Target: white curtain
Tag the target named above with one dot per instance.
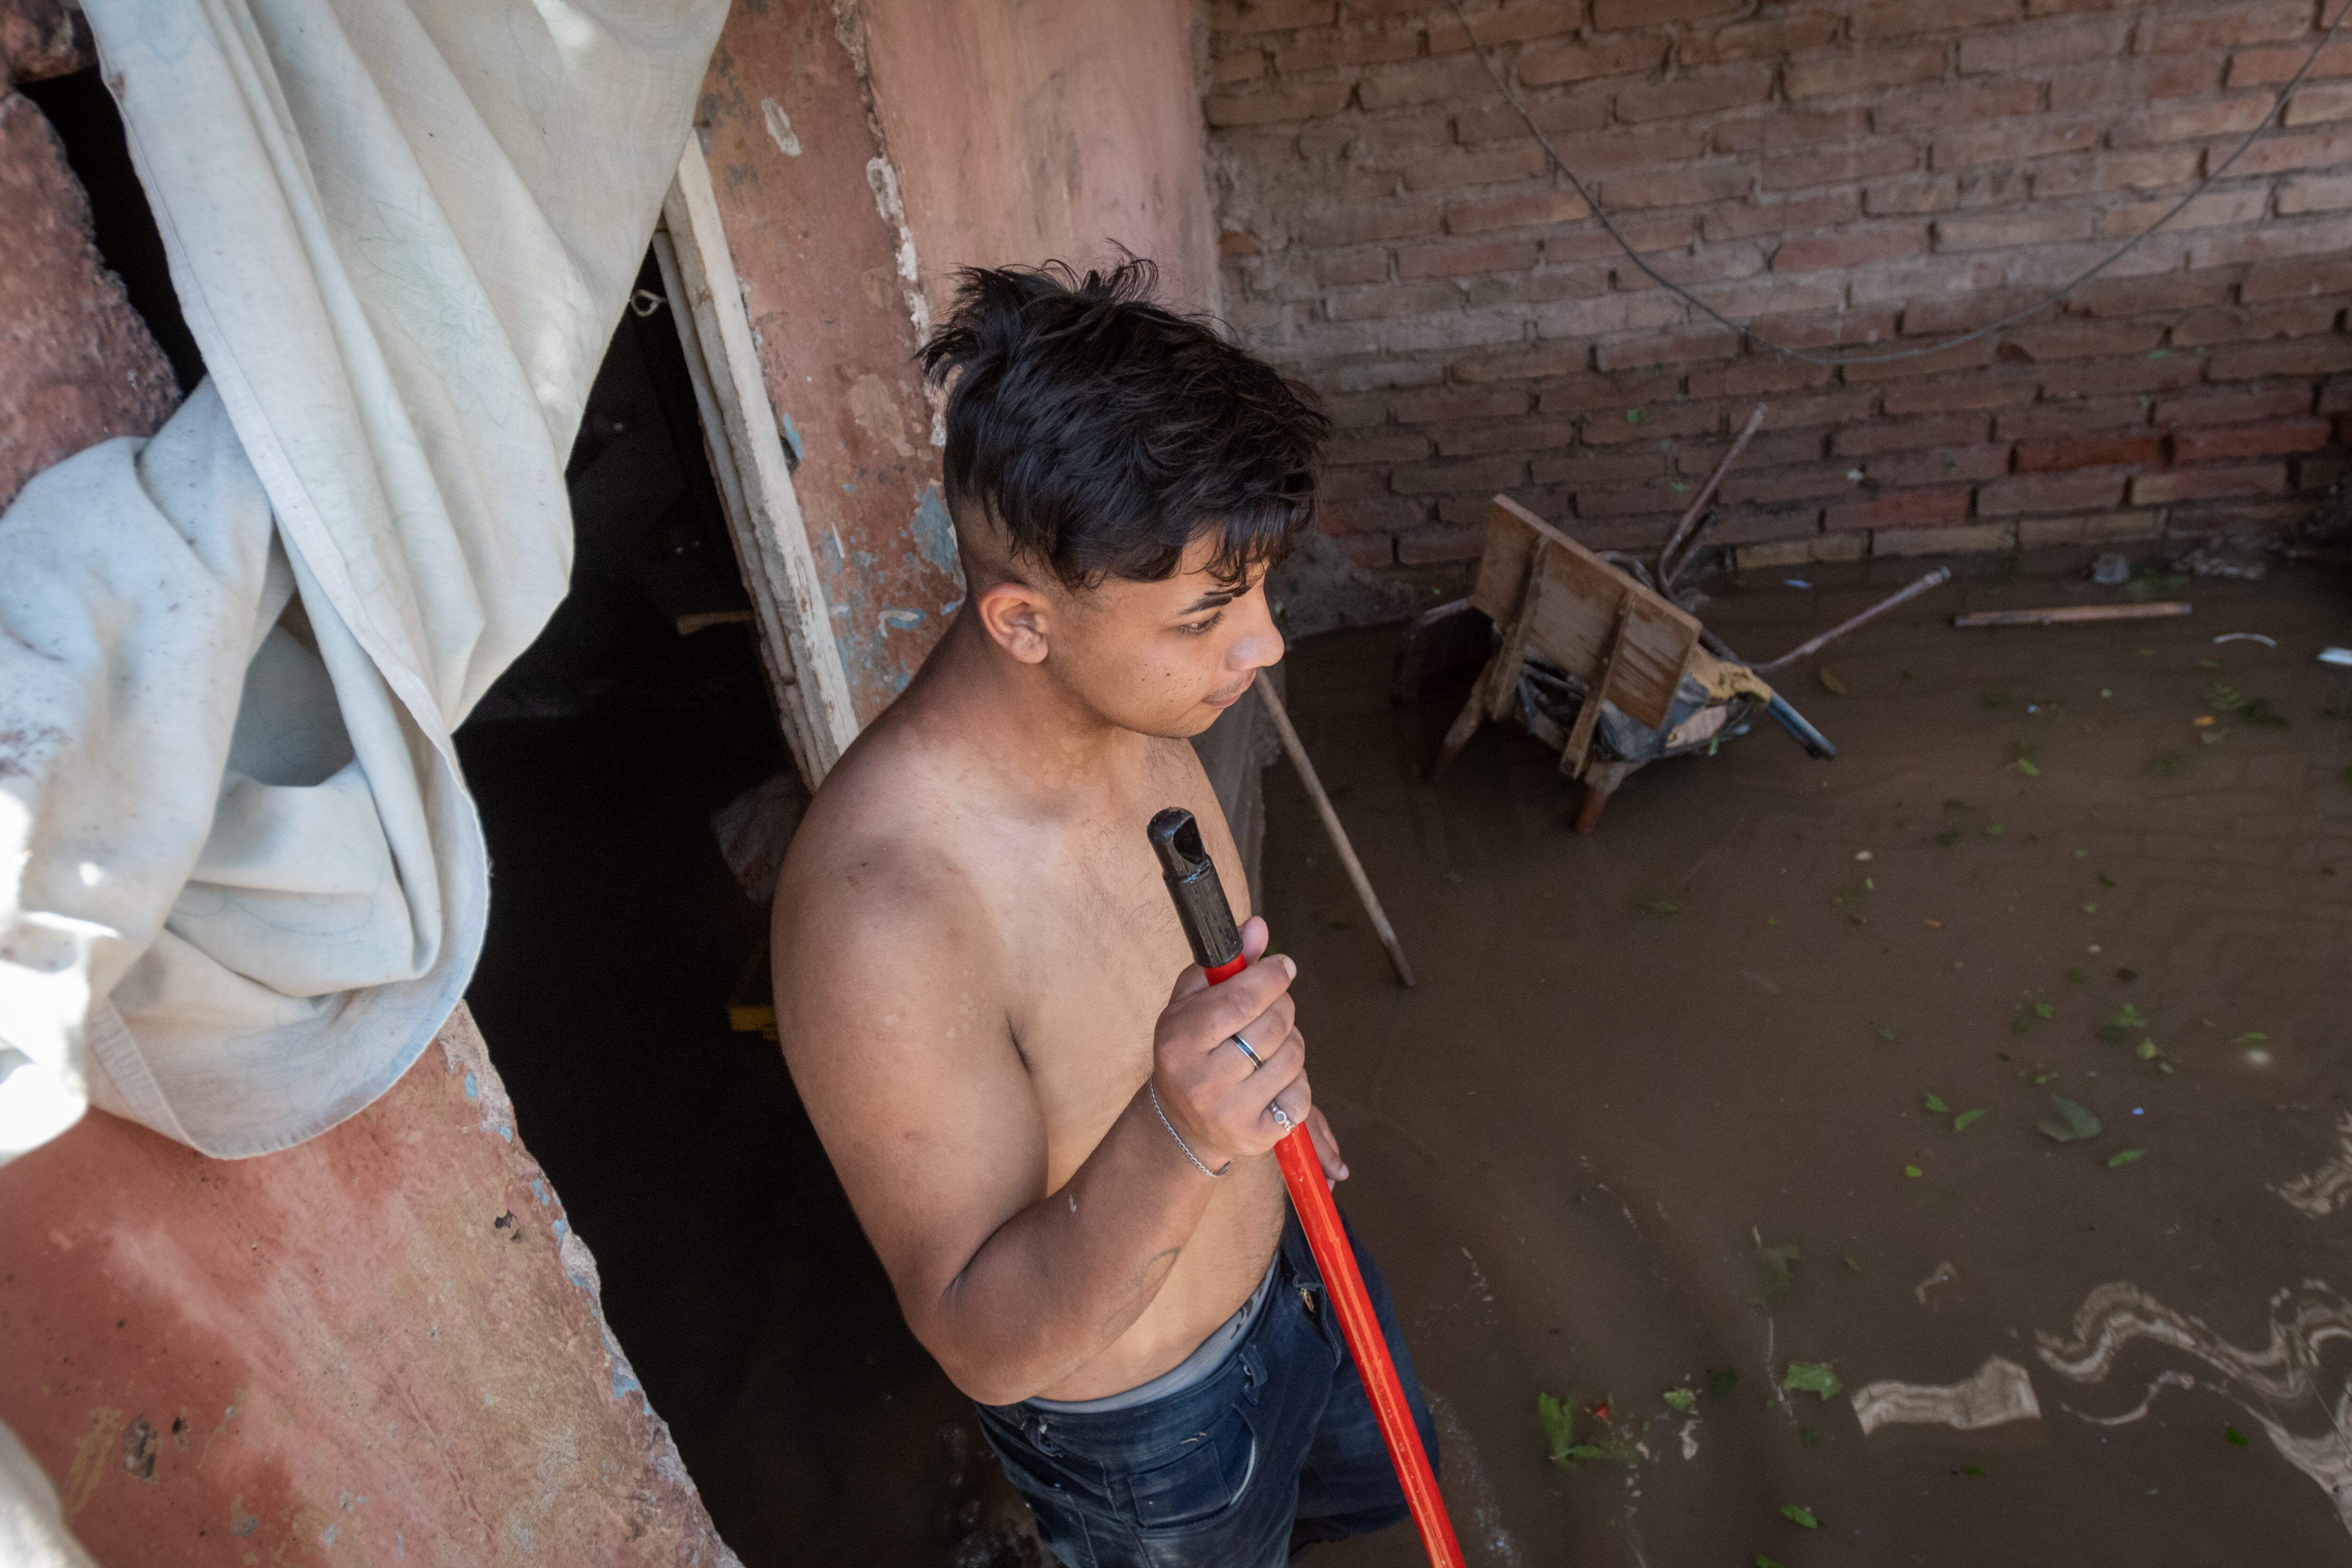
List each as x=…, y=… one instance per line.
x=241, y=883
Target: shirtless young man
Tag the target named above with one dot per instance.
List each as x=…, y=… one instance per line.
x=1043, y=1115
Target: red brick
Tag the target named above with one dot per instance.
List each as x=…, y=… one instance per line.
x=2245, y=22
x=2296, y=356
x=2272, y=155
x=1998, y=387
x=1763, y=40
x=1847, y=250
x=2334, y=395
x=2275, y=438
x=1613, y=467
x=1546, y=65
x=1902, y=436
x=1862, y=71
x=1842, y=166
x=2097, y=173
x=2276, y=240
x=1658, y=421
x=1715, y=266
x=1227, y=67
x=1806, y=313
x=1628, y=501
x=1705, y=91
x=2045, y=341
x=1822, y=408
x=1441, y=546
x=2231, y=406
x=2311, y=105
x=1900, y=18
x=1386, y=301
x=1381, y=446
x=1352, y=267
x=1940, y=465
x=1778, y=130
x=2137, y=373
x=1744, y=220
x=1961, y=356
x=1538, y=287
x=1753, y=377
x=1767, y=449
x=1465, y=260
x=2206, y=484
x=1515, y=25
x=1265, y=16
x=1372, y=514
x=1475, y=474
x=2091, y=452
x=2039, y=45
x=1901, y=509
x=2147, y=296
x=2225, y=117
x=1500, y=121
x=2107, y=84
x=1609, y=14
x=1679, y=347
x=2273, y=67
x=1447, y=171
x=1502, y=401
x=2010, y=140
x=2296, y=279
x=2087, y=490
x=1355, y=481
x=1533, y=209
x=1925, y=194
x=1816, y=482
x=1966, y=103
x=1306, y=103
x=1488, y=437
x=2002, y=229
x=1364, y=224
x=1523, y=362
x=2075, y=416
x=1645, y=235
x=1448, y=79
x=1362, y=47
x=1611, y=394
x=2322, y=472
x=2246, y=323
x=1676, y=188
x=1966, y=313
x=1378, y=375
x=2314, y=193
x=2210, y=210
x=1616, y=313
x=1620, y=150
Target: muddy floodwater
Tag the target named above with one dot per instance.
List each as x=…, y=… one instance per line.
x=1748, y=1088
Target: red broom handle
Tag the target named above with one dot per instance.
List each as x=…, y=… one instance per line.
x=1319, y=1217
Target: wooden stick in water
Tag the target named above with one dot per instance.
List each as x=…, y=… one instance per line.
x=1298, y=755
x=2066, y=614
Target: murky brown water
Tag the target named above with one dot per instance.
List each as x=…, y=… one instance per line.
x=1573, y=1141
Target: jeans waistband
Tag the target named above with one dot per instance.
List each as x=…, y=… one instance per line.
x=1204, y=1361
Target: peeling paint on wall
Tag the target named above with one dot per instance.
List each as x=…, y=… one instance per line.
x=935, y=535
x=779, y=128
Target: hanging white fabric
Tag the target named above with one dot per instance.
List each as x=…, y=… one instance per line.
x=241, y=883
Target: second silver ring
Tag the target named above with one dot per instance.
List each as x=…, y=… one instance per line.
x=1256, y=1061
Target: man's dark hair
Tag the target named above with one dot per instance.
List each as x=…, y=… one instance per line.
x=1104, y=433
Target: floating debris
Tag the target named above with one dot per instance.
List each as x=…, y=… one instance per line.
x=2000, y=1392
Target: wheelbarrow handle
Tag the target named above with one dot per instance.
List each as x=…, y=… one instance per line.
x=1208, y=919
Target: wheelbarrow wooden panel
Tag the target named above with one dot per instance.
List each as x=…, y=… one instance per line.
x=1573, y=616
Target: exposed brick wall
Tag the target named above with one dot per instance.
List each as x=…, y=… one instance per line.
x=1841, y=175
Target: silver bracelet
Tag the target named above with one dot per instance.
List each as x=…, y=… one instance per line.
x=1153, y=1089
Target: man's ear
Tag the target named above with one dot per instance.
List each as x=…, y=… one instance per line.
x=1018, y=617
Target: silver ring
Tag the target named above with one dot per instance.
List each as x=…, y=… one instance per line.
x=1281, y=1118
x=1256, y=1061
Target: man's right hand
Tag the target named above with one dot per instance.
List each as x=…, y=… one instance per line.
x=1215, y=1097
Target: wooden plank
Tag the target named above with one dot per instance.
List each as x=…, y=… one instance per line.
x=1575, y=621
x=785, y=588
x=1588, y=718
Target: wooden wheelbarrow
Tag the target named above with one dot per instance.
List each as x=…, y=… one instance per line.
x=1612, y=642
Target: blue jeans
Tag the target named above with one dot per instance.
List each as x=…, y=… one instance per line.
x=1278, y=1450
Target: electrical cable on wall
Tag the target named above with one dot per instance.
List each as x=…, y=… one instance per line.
x=2267, y=122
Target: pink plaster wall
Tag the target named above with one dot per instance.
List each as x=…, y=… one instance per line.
x=382, y=1346
x=1029, y=128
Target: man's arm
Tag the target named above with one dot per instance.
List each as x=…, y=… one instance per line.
x=895, y=1030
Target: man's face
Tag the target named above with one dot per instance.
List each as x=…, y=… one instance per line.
x=1165, y=658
